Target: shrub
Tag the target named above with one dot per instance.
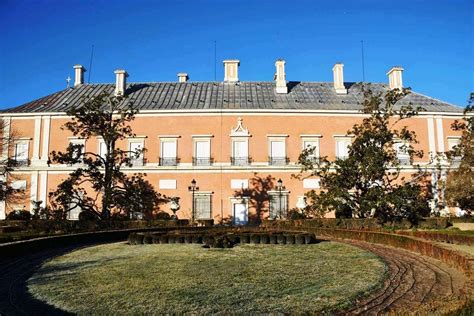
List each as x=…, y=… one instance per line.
x=156, y=239
x=309, y=238
x=86, y=216
x=171, y=239
x=300, y=239
x=162, y=216
x=147, y=239
x=281, y=239
x=264, y=239
x=163, y=239
x=188, y=239
x=135, y=239
x=273, y=239
x=197, y=239
x=233, y=238
x=244, y=239
x=255, y=239
x=180, y=239
x=290, y=239
x=19, y=216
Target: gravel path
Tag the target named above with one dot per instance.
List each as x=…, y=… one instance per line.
x=413, y=279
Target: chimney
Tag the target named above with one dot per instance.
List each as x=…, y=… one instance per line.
x=338, y=73
x=182, y=77
x=231, y=70
x=395, y=78
x=120, y=82
x=280, y=77
x=79, y=71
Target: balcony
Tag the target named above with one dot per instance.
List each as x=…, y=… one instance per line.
x=19, y=162
x=278, y=161
x=169, y=161
x=137, y=162
x=240, y=161
x=202, y=161
x=404, y=161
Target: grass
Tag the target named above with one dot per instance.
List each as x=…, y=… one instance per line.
x=186, y=278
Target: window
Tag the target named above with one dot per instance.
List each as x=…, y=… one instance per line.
x=311, y=142
x=19, y=185
x=454, y=141
x=240, y=152
x=342, y=147
x=202, y=205
x=136, y=152
x=21, y=153
x=202, y=152
x=403, y=156
x=277, y=151
x=168, y=152
x=278, y=205
x=102, y=149
x=79, y=149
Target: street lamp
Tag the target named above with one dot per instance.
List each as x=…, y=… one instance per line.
x=193, y=188
x=280, y=187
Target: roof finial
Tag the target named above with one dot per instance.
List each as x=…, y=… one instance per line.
x=68, y=81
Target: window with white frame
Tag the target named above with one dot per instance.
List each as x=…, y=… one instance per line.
x=342, y=147
x=202, y=151
x=79, y=148
x=278, y=203
x=311, y=143
x=21, y=152
x=402, y=150
x=277, y=151
x=19, y=185
x=202, y=205
x=240, y=152
x=454, y=141
x=135, y=147
x=102, y=149
x=168, y=156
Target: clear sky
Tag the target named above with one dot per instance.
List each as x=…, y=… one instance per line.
x=40, y=41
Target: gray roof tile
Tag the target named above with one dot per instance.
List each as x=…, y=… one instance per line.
x=221, y=95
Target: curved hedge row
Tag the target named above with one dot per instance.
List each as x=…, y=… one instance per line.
x=222, y=239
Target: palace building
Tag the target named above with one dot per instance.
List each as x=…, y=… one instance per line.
x=235, y=139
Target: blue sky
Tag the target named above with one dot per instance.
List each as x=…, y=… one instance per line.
x=40, y=41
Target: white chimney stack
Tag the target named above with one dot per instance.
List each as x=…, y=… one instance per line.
x=231, y=70
x=182, y=77
x=120, y=82
x=79, y=71
x=395, y=78
x=338, y=73
x=280, y=77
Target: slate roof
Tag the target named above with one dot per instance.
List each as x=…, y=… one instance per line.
x=222, y=95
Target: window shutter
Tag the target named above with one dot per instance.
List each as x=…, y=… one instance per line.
x=203, y=149
x=278, y=149
x=168, y=149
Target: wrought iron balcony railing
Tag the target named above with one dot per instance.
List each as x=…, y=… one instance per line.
x=169, y=161
x=202, y=161
x=240, y=161
x=404, y=161
x=137, y=162
x=278, y=161
x=20, y=162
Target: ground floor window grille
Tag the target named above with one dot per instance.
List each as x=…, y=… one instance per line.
x=278, y=205
x=202, y=206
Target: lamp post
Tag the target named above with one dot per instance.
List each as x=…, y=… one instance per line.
x=193, y=188
x=280, y=187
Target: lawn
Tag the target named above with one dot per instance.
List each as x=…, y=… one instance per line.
x=186, y=278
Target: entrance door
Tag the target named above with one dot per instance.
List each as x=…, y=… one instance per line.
x=240, y=214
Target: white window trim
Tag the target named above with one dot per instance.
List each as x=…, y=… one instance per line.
x=338, y=138
x=137, y=140
x=312, y=138
x=239, y=139
x=22, y=141
x=275, y=138
x=168, y=140
x=201, y=139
